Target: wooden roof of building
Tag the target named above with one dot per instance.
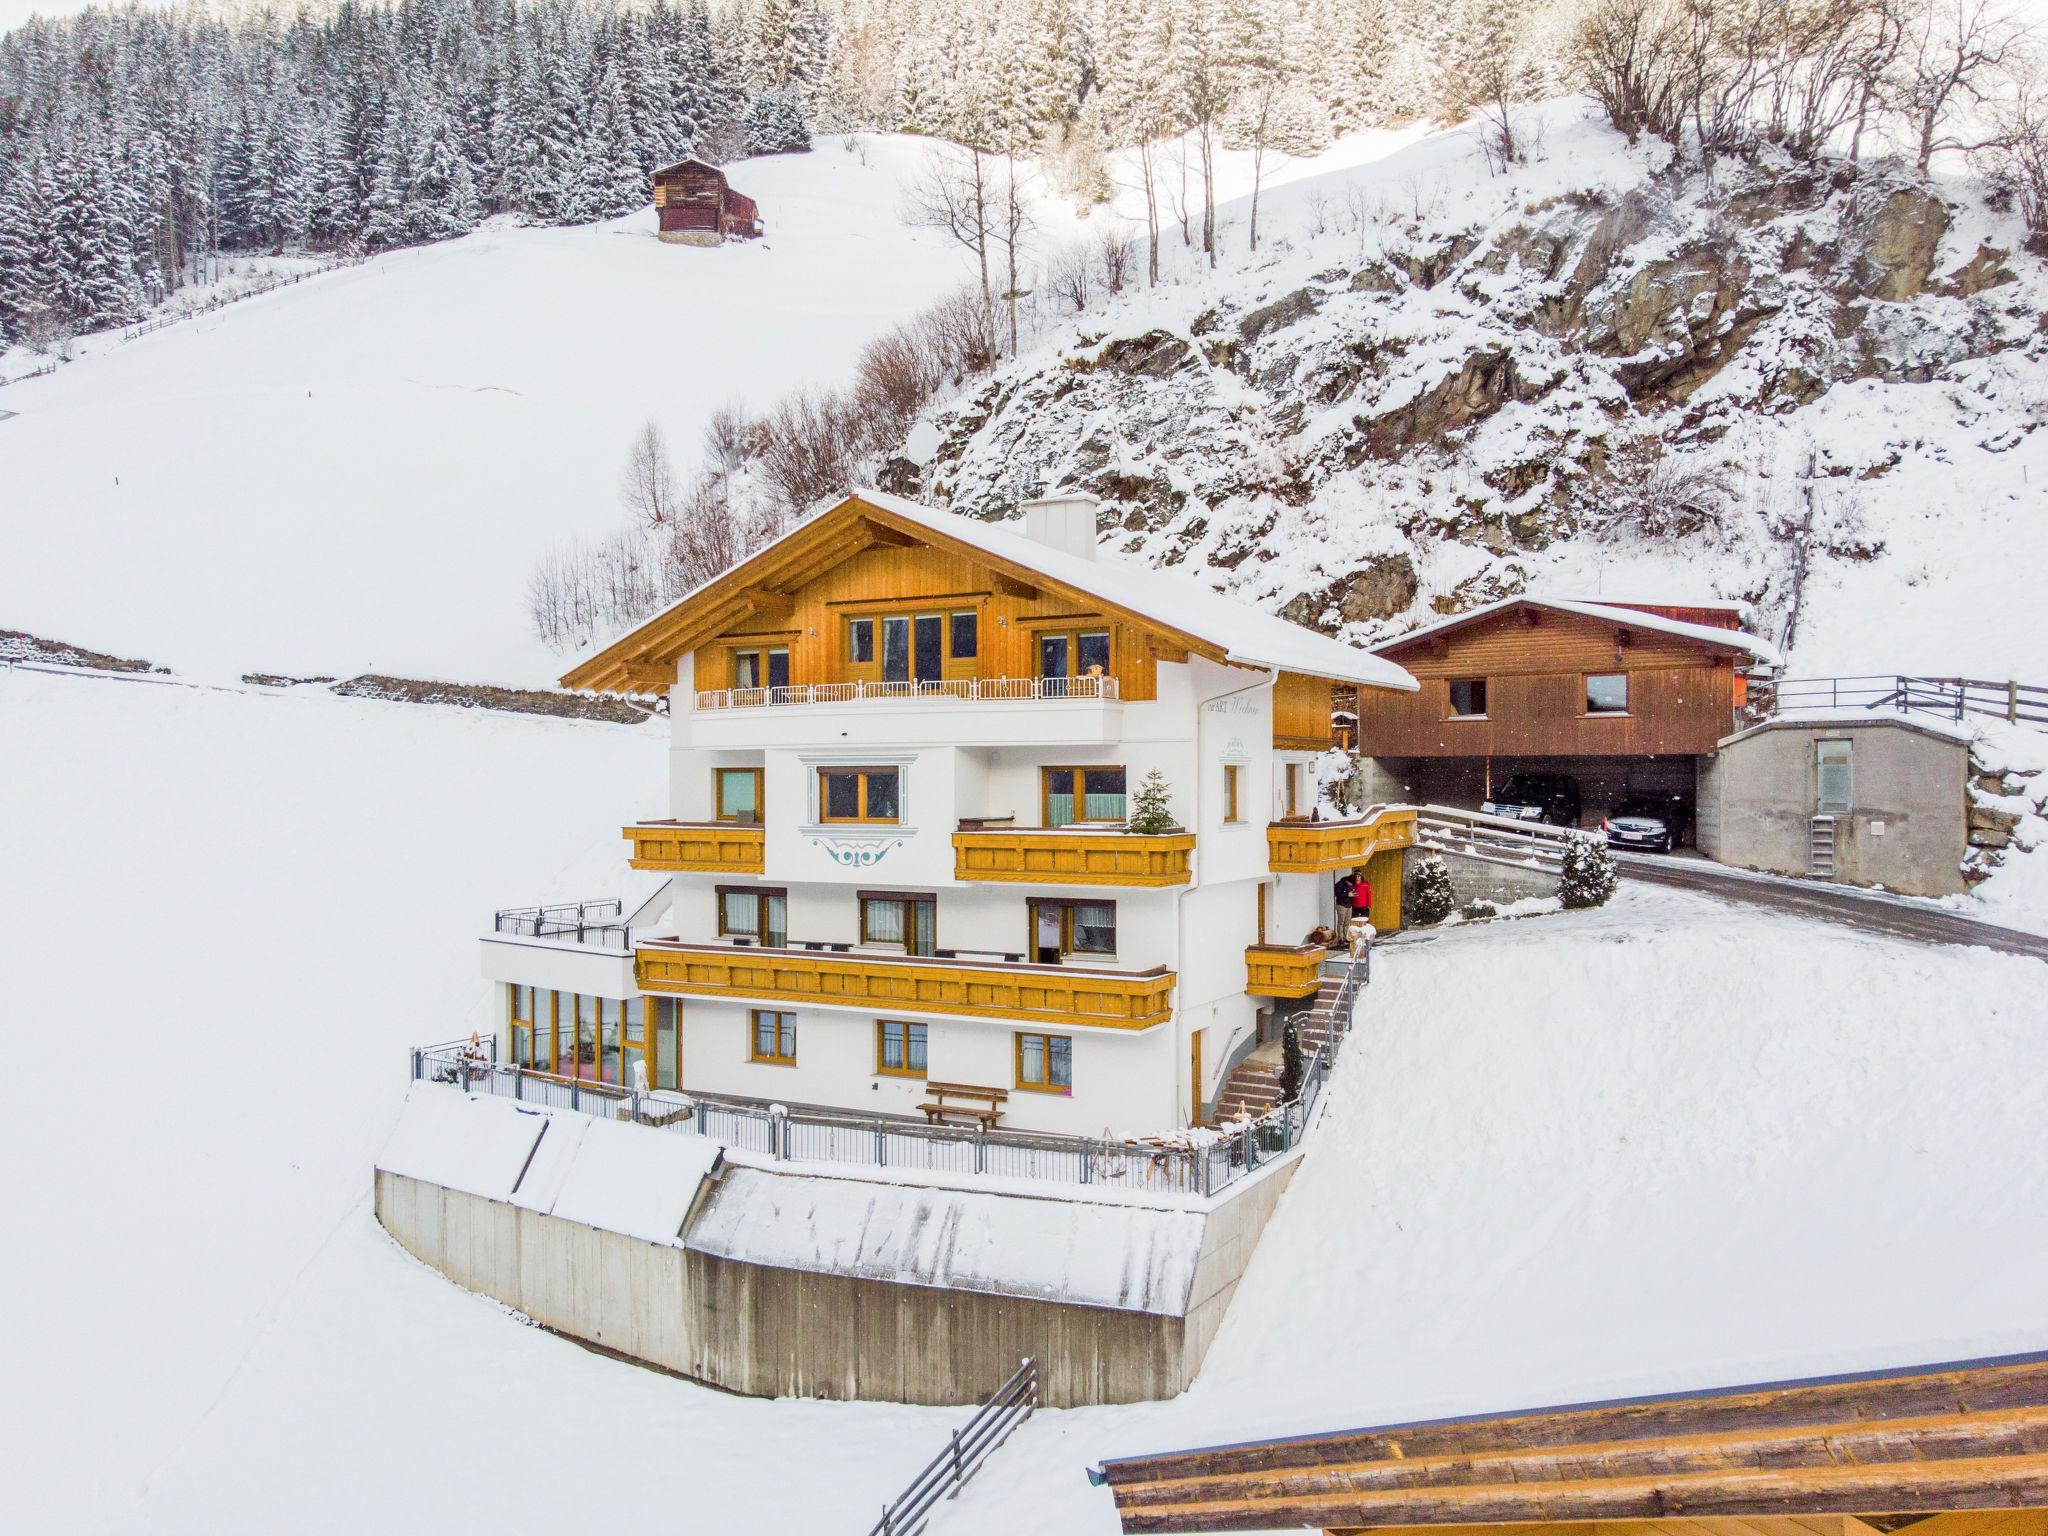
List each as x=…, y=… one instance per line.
x=1620, y=615
x=1885, y=1449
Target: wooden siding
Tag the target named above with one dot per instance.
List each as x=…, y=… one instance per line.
x=722, y=847
x=914, y=579
x=1968, y=1438
x=1315, y=847
x=1681, y=692
x=1301, y=711
x=1284, y=970
x=1069, y=996
x=1074, y=858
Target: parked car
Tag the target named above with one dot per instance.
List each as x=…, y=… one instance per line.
x=1646, y=821
x=1547, y=797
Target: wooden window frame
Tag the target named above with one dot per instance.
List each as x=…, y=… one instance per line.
x=1066, y=905
x=760, y=650
x=853, y=658
x=1078, y=770
x=883, y=1069
x=754, y=1017
x=953, y=618
x=1451, y=710
x=764, y=892
x=1063, y=1090
x=907, y=899
x=1290, y=789
x=1071, y=632
x=1233, y=796
x=718, y=797
x=1627, y=696
x=861, y=775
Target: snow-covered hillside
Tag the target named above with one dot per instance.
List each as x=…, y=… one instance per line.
x=360, y=472
x=1818, y=388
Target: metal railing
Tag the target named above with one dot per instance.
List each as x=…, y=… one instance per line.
x=966, y=688
x=596, y=923
x=1445, y=829
x=1951, y=698
x=1200, y=1163
x=972, y=1444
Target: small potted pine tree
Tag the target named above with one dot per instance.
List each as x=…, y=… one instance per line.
x=1152, y=807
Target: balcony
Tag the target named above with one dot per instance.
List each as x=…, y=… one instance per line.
x=1315, y=847
x=984, y=711
x=1284, y=970
x=1072, y=856
x=835, y=977
x=710, y=847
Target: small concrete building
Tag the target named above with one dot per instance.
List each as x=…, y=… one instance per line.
x=1868, y=799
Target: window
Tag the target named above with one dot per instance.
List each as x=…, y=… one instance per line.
x=858, y=794
x=1468, y=697
x=761, y=669
x=860, y=641
x=1607, y=693
x=899, y=1048
x=899, y=918
x=667, y=1044
x=1834, y=778
x=1061, y=926
x=1290, y=793
x=1045, y=1062
x=1230, y=805
x=738, y=793
x=754, y=912
x=523, y=1039
x=963, y=636
x=636, y=1022
x=1082, y=794
x=1073, y=653
x=774, y=1037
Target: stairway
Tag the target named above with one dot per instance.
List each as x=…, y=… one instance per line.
x=1253, y=1086
x=1820, y=848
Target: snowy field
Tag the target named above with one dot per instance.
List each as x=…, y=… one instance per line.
x=359, y=472
x=1549, y=1170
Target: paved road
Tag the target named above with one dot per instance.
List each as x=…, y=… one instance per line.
x=1873, y=913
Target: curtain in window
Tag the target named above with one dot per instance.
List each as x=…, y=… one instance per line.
x=882, y=922
x=925, y=925
x=742, y=912
x=1103, y=794
x=917, y=1048
x=777, y=932
x=1062, y=1074
x=1095, y=927
x=1031, y=1058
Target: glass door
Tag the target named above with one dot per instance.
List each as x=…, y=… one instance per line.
x=896, y=650
x=668, y=1044
x=930, y=658
x=1052, y=655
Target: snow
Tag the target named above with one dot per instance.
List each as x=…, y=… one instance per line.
x=1666, y=1145
x=233, y=913
x=441, y=1139
x=624, y=1179
x=1127, y=1257
x=360, y=471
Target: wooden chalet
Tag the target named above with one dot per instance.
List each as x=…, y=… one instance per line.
x=1950, y=1450
x=697, y=207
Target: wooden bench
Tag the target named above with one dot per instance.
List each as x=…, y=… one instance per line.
x=964, y=1100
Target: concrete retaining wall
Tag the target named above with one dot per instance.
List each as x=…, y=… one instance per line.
x=771, y=1331
x=1494, y=880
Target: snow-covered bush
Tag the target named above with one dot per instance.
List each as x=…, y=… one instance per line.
x=1429, y=897
x=1587, y=876
x=1152, y=806
x=1292, y=1068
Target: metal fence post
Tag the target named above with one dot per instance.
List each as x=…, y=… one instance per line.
x=881, y=1148
x=980, y=1151
x=575, y=1094
x=518, y=1081
x=415, y=1063
x=957, y=1478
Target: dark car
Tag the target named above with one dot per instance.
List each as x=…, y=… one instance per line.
x=1547, y=797
x=1655, y=822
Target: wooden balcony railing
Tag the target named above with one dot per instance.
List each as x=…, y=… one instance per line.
x=1284, y=970
x=972, y=689
x=1312, y=847
x=1037, y=994
x=1072, y=856
x=723, y=847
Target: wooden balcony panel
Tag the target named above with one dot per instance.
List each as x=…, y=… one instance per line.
x=1284, y=970
x=721, y=847
x=1073, y=857
x=1315, y=847
x=1035, y=994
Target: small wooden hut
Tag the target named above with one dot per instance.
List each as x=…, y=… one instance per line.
x=696, y=207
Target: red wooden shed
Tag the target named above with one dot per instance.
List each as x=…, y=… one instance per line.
x=696, y=207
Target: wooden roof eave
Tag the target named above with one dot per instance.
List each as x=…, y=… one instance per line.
x=823, y=541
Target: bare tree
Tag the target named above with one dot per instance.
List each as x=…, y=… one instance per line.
x=1950, y=55
x=957, y=195
x=1012, y=229
x=725, y=437
x=1113, y=255
x=647, y=485
x=1489, y=72
x=1069, y=275
x=2019, y=161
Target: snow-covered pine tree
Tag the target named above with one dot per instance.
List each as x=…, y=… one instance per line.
x=1152, y=806
x=1587, y=876
x=1428, y=896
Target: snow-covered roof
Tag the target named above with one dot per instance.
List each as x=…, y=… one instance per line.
x=1632, y=618
x=1851, y=719
x=1132, y=1258
x=1246, y=634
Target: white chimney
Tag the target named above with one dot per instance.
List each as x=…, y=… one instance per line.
x=1064, y=521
